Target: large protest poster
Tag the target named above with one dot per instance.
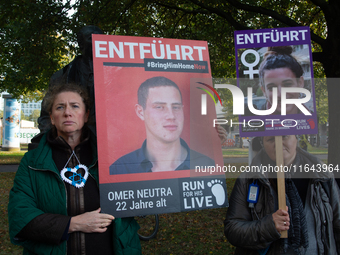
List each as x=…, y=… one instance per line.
x=132, y=134
x=289, y=110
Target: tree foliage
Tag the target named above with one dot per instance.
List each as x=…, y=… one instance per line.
x=34, y=39
x=38, y=35
x=23, y=116
x=34, y=116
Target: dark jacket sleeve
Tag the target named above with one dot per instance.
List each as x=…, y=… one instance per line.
x=47, y=228
x=240, y=228
x=335, y=202
x=24, y=208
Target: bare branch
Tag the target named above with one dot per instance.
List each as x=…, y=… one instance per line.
x=127, y=7
x=226, y=15
x=318, y=57
x=256, y=9
x=208, y=10
x=321, y=3
x=174, y=7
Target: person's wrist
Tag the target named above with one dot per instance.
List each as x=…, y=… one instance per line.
x=73, y=225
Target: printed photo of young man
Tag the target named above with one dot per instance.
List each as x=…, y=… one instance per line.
x=160, y=107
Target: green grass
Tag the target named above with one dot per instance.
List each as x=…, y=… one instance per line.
x=195, y=232
x=234, y=152
x=317, y=150
x=243, y=152
x=10, y=158
x=6, y=183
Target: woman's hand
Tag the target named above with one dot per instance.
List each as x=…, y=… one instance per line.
x=281, y=220
x=90, y=222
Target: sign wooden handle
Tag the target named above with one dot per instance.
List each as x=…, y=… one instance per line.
x=281, y=188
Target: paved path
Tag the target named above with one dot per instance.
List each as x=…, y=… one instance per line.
x=8, y=168
x=13, y=168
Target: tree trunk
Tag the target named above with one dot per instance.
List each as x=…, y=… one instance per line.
x=323, y=135
x=333, y=85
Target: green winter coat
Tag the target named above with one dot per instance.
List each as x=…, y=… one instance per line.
x=38, y=188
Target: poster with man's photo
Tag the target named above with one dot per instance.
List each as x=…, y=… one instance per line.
x=275, y=75
x=151, y=158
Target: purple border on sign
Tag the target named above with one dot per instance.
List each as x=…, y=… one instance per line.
x=250, y=39
x=271, y=37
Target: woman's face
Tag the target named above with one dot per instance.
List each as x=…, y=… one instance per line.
x=289, y=144
x=280, y=78
x=68, y=114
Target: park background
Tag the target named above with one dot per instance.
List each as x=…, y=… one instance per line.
x=39, y=37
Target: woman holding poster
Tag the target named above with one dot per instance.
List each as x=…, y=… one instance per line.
x=312, y=218
x=54, y=204
x=280, y=69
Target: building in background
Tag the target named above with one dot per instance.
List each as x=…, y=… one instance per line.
x=28, y=108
